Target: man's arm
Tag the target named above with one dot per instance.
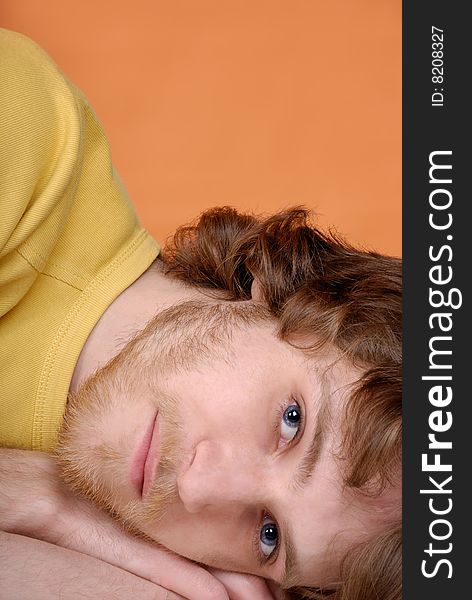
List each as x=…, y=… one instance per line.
x=34, y=570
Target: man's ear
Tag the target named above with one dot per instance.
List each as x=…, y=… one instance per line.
x=257, y=295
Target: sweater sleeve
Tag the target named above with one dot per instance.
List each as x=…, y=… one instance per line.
x=40, y=133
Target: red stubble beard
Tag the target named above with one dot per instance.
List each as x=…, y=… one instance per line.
x=95, y=463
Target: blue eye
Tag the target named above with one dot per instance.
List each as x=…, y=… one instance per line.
x=269, y=537
x=291, y=421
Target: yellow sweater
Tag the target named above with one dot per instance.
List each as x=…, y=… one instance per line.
x=70, y=241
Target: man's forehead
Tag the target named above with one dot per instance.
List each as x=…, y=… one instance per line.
x=377, y=505
x=323, y=528
x=332, y=378
x=329, y=519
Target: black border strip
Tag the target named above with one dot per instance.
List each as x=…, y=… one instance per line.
x=436, y=252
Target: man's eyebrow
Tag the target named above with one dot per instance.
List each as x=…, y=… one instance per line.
x=290, y=558
x=307, y=464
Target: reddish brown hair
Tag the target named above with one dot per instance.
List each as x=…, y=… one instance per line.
x=321, y=288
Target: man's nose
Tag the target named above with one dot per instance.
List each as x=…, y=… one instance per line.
x=219, y=475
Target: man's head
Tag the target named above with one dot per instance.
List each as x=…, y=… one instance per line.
x=276, y=426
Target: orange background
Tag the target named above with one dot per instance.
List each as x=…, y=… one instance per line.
x=259, y=104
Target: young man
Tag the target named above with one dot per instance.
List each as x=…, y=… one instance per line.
x=236, y=398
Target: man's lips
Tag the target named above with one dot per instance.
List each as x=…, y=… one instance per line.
x=141, y=463
x=152, y=457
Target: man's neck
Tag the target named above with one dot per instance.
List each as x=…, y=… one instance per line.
x=128, y=314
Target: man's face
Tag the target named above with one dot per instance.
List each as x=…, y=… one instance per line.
x=217, y=439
